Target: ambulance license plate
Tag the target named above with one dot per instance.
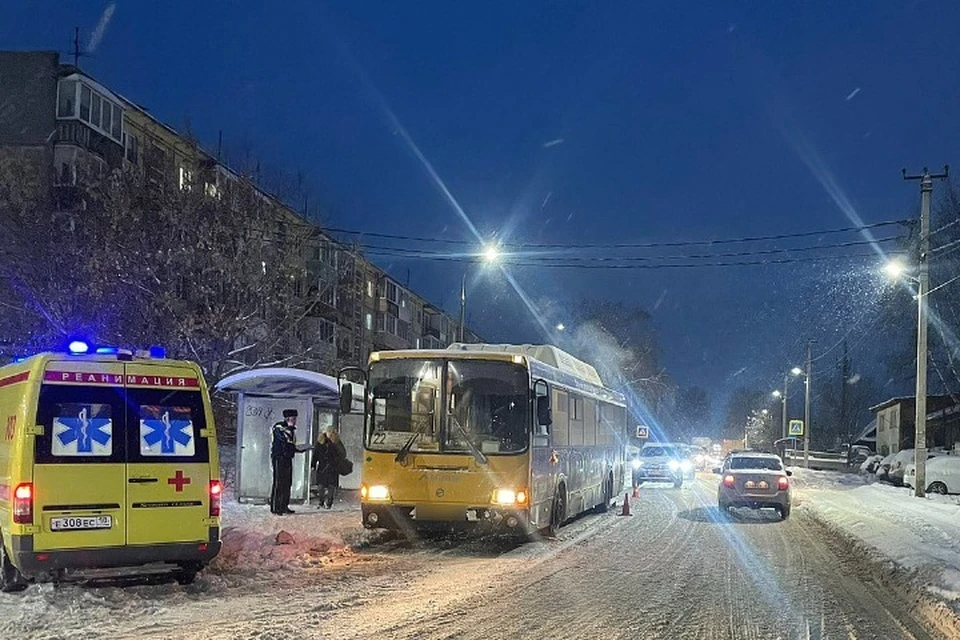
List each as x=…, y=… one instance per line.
x=79, y=523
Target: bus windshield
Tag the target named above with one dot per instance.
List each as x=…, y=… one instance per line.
x=462, y=406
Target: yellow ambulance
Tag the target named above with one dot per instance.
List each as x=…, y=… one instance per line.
x=108, y=460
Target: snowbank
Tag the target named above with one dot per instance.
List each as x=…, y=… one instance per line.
x=251, y=547
x=921, y=535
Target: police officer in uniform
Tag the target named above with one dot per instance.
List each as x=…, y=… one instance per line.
x=282, y=450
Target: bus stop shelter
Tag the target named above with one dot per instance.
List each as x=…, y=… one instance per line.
x=262, y=396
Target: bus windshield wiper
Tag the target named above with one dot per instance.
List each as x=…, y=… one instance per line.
x=477, y=454
x=405, y=449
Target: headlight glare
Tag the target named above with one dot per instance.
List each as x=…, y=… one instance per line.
x=378, y=492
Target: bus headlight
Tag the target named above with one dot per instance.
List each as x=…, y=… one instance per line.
x=375, y=492
x=509, y=497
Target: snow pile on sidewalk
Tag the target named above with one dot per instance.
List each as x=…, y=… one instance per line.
x=918, y=534
x=256, y=541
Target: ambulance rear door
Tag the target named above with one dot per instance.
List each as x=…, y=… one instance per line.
x=79, y=471
x=169, y=455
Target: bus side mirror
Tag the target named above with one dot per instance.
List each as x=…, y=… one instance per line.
x=544, y=413
x=346, y=398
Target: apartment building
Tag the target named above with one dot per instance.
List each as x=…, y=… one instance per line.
x=63, y=129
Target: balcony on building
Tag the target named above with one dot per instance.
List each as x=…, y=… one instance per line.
x=90, y=118
x=435, y=325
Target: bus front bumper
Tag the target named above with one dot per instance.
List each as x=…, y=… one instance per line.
x=407, y=517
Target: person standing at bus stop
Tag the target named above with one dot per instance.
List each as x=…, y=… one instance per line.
x=330, y=461
x=282, y=450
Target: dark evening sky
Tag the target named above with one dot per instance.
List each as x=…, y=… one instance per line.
x=572, y=123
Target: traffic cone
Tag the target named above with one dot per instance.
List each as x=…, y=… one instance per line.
x=626, y=505
x=636, y=491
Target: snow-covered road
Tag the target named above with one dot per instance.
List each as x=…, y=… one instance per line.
x=676, y=569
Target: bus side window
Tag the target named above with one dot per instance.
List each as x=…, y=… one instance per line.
x=576, y=421
x=561, y=415
x=590, y=423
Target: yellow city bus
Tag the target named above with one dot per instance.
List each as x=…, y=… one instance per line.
x=515, y=438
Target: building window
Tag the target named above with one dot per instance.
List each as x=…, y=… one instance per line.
x=328, y=294
x=369, y=322
x=186, y=179
x=106, y=123
x=67, y=104
x=117, y=130
x=392, y=291
x=325, y=331
x=132, y=152
x=95, y=110
x=85, y=103
x=65, y=164
x=369, y=288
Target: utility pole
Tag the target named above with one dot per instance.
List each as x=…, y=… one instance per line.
x=923, y=286
x=806, y=407
x=463, y=303
x=783, y=410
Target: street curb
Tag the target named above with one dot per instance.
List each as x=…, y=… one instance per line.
x=938, y=614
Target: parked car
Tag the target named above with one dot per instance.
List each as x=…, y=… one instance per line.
x=943, y=475
x=871, y=464
x=857, y=454
x=898, y=467
x=910, y=470
x=884, y=467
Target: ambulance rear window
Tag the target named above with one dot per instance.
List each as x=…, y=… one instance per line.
x=80, y=424
x=166, y=426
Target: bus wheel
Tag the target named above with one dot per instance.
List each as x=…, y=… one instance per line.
x=557, y=511
x=10, y=577
x=604, y=506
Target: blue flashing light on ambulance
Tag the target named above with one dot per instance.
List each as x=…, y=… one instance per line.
x=108, y=461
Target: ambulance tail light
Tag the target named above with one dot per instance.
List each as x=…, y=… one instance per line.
x=216, y=498
x=23, y=503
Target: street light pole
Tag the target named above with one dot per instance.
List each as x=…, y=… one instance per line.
x=783, y=414
x=806, y=407
x=923, y=285
x=463, y=302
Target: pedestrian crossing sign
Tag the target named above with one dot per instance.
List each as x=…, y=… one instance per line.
x=643, y=432
x=796, y=428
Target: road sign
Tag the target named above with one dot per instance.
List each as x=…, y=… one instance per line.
x=796, y=428
x=643, y=432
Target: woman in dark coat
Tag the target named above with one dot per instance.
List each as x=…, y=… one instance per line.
x=329, y=455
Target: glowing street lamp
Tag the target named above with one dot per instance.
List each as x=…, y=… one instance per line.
x=561, y=326
x=490, y=255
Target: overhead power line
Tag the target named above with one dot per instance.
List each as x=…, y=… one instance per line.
x=691, y=265
x=628, y=245
x=546, y=259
